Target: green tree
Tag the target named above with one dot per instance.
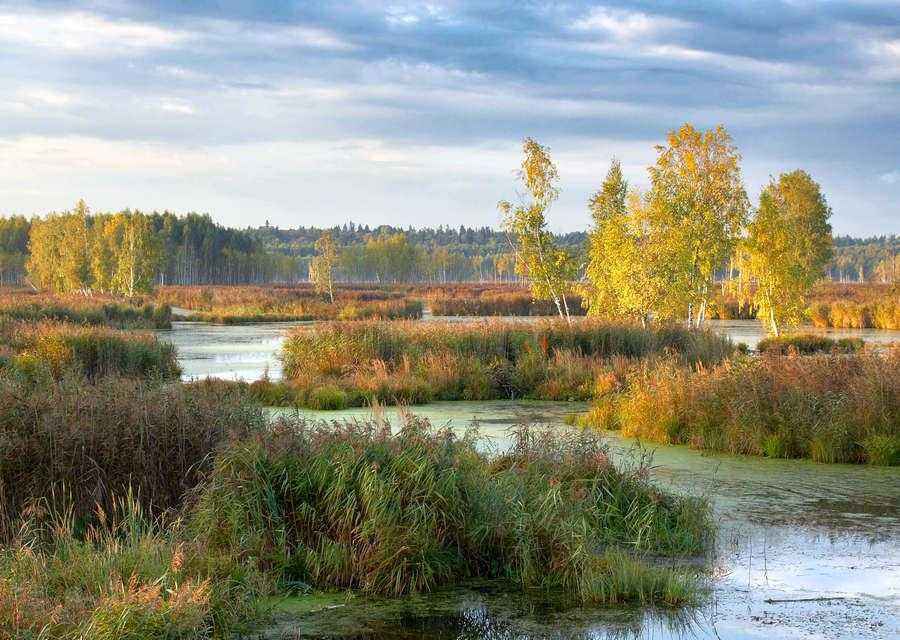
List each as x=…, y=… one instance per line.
x=321, y=267
x=549, y=268
x=697, y=208
x=787, y=248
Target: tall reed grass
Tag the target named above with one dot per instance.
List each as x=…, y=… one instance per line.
x=95, y=310
x=808, y=343
x=354, y=506
x=829, y=408
x=123, y=577
x=342, y=364
x=501, y=302
x=247, y=304
x=79, y=444
x=51, y=349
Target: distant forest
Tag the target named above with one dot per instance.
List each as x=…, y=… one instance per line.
x=193, y=249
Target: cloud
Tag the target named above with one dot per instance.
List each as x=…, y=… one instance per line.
x=78, y=32
x=626, y=25
x=891, y=177
x=177, y=106
x=368, y=100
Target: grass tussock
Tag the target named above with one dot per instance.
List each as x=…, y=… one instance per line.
x=51, y=349
x=81, y=444
x=89, y=310
x=829, y=408
x=353, y=506
x=343, y=364
x=301, y=505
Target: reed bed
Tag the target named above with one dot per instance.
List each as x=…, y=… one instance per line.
x=136, y=514
x=49, y=349
x=248, y=304
x=125, y=576
x=880, y=314
x=353, y=506
x=503, y=302
x=828, y=408
x=91, y=310
x=809, y=343
x=83, y=444
x=336, y=365
x=208, y=298
x=831, y=305
x=310, y=310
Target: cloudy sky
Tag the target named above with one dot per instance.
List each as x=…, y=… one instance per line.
x=413, y=113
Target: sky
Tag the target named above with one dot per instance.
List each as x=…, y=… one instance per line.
x=413, y=113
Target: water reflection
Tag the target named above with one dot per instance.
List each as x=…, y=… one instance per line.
x=489, y=611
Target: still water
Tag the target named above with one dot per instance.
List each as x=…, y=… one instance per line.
x=789, y=530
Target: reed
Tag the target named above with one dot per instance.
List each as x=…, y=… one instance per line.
x=353, y=364
x=249, y=304
x=353, y=506
x=829, y=408
x=808, y=343
x=94, y=310
x=83, y=444
x=51, y=349
x=501, y=302
x=126, y=576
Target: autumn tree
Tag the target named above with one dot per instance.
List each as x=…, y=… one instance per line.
x=621, y=267
x=697, y=208
x=549, y=268
x=321, y=267
x=787, y=248
x=137, y=256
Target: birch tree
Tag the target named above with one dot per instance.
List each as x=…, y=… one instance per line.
x=697, y=209
x=548, y=268
x=787, y=248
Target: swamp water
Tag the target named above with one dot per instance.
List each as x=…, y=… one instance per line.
x=804, y=550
